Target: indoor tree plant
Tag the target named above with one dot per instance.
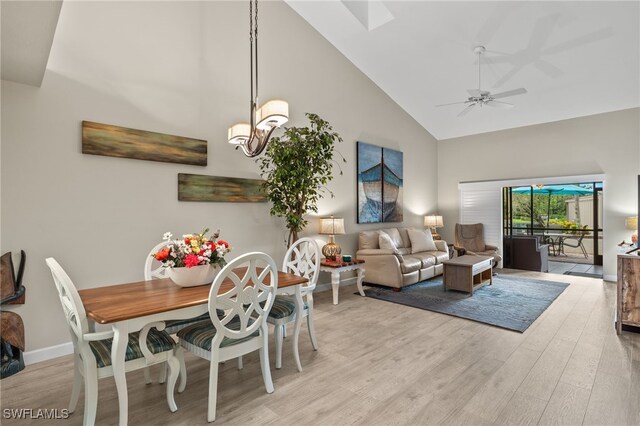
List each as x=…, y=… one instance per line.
x=296, y=167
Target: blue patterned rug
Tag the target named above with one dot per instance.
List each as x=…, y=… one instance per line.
x=511, y=302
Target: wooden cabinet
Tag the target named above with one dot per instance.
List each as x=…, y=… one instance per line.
x=628, y=294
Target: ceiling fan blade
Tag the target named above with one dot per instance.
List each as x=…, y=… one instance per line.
x=520, y=91
x=474, y=93
x=499, y=104
x=452, y=103
x=467, y=109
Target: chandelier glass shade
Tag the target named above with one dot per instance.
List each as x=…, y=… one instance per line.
x=253, y=137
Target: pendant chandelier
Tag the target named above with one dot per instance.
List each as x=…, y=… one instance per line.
x=253, y=137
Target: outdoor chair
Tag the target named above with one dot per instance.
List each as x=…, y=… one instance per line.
x=575, y=241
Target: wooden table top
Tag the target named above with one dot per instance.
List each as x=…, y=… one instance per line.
x=466, y=260
x=120, y=302
x=341, y=263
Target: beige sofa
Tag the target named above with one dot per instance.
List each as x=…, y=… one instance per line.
x=398, y=268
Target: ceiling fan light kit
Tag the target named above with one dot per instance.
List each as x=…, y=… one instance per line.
x=484, y=97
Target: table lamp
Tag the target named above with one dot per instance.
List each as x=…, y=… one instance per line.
x=434, y=221
x=632, y=224
x=331, y=226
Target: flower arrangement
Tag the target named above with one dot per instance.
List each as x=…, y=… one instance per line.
x=193, y=250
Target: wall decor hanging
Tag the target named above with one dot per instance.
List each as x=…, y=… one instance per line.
x=379, y=184
x=115, y=141
x=219, y=189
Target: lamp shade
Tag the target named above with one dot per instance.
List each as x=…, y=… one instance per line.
x=239, y=133
x=332, y=226
x=433, y=221
x=632, y=223
x=274, y=113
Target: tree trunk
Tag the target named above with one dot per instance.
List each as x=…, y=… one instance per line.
x=293, y=237
x=576, y=210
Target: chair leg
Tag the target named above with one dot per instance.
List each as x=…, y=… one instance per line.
x=312, y=328
x=240, y=363
x=213, y=387
x=584, y=251
x=179, y=353
x=77, y=384
x=264, y=360
x=174, y=371
x=163, y=373
x=90, y=396
x=147, y=376
x=278, y=335
x=284, y=331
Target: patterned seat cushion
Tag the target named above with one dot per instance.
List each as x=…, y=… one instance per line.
x=283, y=307
x=157, y=341
x=181, y=322
x=200, y=334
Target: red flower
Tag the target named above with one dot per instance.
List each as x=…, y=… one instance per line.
x=223, y=243
x=187, y=241
x=191, y=260
x=162, y=254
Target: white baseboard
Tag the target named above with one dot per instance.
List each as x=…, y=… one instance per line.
x=343, y=282
x=44, y=354
x=613, y=278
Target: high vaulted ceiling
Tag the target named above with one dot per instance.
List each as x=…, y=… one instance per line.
x=574, y=58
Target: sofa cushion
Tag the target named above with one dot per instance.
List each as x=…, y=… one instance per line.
x=440, y=256
x=384, y=240
x=395, y=236
x=410, y=264
x=368, y=240
x=427, y=259
x=404, y=250
x=406, y=242
x=421, y=241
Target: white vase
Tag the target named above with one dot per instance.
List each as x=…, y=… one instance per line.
x=194, y=276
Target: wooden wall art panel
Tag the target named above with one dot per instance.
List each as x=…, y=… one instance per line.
x=115, y=141
x=219, y=189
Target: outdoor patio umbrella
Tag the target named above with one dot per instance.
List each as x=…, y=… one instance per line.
x=552, y=190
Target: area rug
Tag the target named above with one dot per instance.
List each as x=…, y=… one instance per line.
x=511, y=302
x=583, y=274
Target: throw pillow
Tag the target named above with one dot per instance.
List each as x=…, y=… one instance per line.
x=384, y=240
x=421, y=241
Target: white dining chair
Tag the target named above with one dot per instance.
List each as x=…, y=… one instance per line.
x=92, y=350
x=243, y=328
x=154, y=269
x=302, y=259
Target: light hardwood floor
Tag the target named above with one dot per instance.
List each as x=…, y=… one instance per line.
x=380, y=363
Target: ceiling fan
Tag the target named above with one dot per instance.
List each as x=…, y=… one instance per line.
x=483, y=97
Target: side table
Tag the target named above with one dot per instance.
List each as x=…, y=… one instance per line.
x=335, y=268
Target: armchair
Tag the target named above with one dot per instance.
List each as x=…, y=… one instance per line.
x=469, y=239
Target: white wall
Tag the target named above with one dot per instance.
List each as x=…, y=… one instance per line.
x=179, y=68
x=605, y=143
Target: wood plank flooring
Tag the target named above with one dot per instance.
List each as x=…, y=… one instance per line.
x=381, y=363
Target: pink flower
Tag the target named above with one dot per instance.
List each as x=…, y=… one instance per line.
x=191, y=260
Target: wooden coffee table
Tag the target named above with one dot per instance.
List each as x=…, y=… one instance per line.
x=466, y=273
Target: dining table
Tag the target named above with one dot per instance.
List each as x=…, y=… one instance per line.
x=129, y=307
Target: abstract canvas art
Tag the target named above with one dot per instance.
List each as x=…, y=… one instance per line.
x=380, y=173
x=115, y=141
x=219, y=189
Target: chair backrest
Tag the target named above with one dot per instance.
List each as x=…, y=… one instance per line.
x=470, y=236
x=303, y=259
x=153, y=268
x=254, y=280
x=580, y=234
x=70, y=300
